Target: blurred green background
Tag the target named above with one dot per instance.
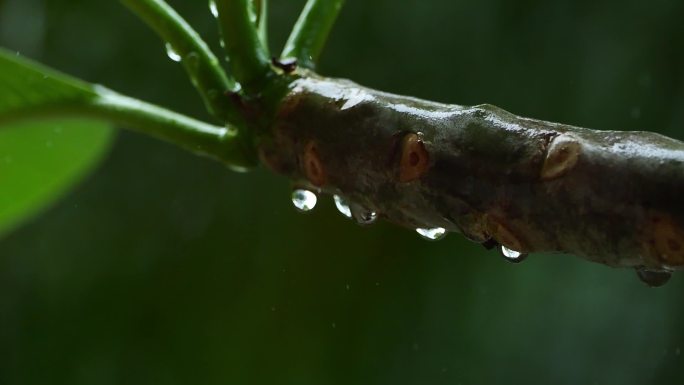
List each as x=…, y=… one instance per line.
x=164, y=268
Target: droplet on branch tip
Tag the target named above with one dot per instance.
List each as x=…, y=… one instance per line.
x=342, y=206
x=512, y=256
x=363, y=215
x=653, y=278
x=503, y=235
x=432, y=234
x=304, y=200
x=173, y=55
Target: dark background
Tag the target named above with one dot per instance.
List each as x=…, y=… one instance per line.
x=165, y=268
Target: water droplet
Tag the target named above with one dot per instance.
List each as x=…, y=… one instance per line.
x=432, y=234
x=512, y=255
x=304, y=200
x=363, y=215
x=653, y=278
x=212, y=8
x=173, y=55
x=342, y=206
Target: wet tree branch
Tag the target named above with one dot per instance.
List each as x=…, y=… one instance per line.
x=531, y=186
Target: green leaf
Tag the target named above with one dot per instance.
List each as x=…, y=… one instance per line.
x=25, y=86
x=30, y=90
x=39, y=160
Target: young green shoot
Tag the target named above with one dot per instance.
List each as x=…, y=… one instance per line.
x=185, y=44
x=248, y=56
x=311, y=31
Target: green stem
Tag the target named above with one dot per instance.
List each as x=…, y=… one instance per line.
x=199, y=62
x=220, y=143
x=311, y=31
x=262, y=21
x=249, y=58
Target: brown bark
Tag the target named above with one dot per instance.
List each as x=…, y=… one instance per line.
x=532, y=186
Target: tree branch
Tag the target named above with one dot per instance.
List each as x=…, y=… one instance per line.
x=499, y=179
x=309, y=34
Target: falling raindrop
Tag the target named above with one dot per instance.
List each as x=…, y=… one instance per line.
x=342, y=206
x=432, y=234
x=363, y=215
x=212, y=8
x=173, y=55
x=512, y=255
x=304, y=200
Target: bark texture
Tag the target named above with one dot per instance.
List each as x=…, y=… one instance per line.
x=529, y=185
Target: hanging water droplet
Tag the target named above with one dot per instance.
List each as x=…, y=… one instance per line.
x=363, y=215
x=304, y=200
x=342, y=206
x=212, y=8
x=367, y=217
x=173, y=55
x=653, y=278
x=512, y=255
x=432, y=234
